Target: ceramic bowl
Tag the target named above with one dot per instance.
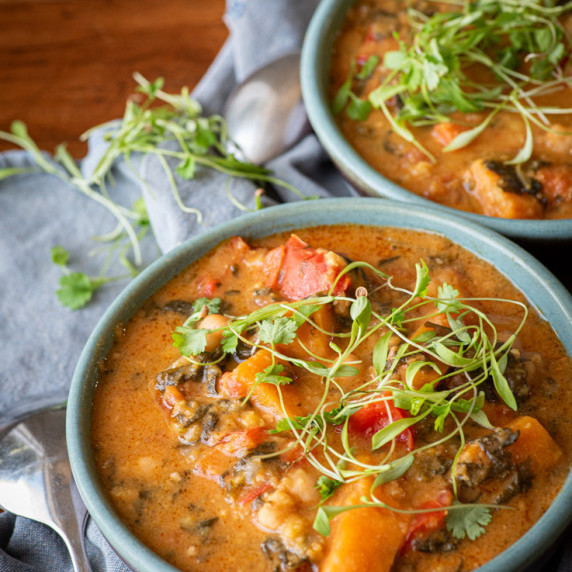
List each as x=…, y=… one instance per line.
x=540, y=286
x=315, y=64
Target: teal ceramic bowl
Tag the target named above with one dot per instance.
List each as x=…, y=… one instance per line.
x=541, y=287
x=315, y=65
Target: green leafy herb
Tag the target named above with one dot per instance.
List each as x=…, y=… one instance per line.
x=358, y=109
x=76, y=289
x=368, y=67
x=393, y=471
x=202, y=307
x=523, y=44
x=355, y=107
x=468, y=520
x=169, y=126
x=212, y=305
x=392, y=431
x=60, y=255
x=423, y=279
x=327, y=487
x=190, y=341
x=326, y=513
x=278, y=331
x=448, y=299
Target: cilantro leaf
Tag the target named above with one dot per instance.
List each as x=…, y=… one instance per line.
x=278, y=331
x=190, y=341
x=468, y=520
x=212, y=307
x=448, y=299
x=229, y=342
x=212, y=304
x=76, y=289
x=423, y=279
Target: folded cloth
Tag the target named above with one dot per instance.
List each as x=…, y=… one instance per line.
x=38, y=211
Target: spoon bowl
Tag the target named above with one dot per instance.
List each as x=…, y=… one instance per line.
x=265, y=114
x=36, y=480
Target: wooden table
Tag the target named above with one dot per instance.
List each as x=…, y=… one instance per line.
x=67, y=65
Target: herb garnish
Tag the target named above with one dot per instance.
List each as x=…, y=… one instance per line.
x=522, y=44
x=468, y=520
x=151, y=121
x=469, y=349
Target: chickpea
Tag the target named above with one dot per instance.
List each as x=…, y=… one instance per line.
x=213, y=322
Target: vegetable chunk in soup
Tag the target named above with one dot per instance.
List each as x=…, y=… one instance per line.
x=468, y=104
x=343, y=398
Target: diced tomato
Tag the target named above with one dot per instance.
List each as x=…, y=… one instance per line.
x=254, y=493
x=424, y=523
x=295, y=270
x=207, y=287
x=499, y=414
x=373, y=417
x=272, y=266
x=242, y=440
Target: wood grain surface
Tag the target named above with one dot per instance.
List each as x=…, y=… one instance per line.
x=67, y=65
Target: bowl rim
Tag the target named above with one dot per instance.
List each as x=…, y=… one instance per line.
x=316, y=48
x=543, y=291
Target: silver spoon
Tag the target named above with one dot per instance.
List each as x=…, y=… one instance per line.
x=36, y=480
x=265, y=115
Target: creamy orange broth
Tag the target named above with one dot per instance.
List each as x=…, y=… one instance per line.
x=192, y=506
x=470, y=179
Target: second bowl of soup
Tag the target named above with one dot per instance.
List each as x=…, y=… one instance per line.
x=414, y=101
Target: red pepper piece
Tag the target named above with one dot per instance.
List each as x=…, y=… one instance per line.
x=424, y=523
x=295, y=270
x=373, y=417
x=254, y=493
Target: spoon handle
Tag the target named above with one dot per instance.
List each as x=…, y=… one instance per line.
x=68, y=512
x=75, y=533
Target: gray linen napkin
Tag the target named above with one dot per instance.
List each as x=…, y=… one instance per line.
x=42, y=340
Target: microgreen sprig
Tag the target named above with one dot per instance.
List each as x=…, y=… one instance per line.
x=172, y=127
x=522, y=44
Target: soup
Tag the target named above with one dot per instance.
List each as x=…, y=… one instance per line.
x=458, y=107
x=281, y=400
